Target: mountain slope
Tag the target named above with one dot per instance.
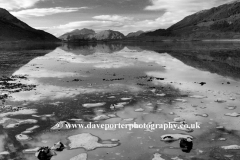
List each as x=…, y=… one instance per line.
x=84, y=34
x=218, y=22
x=90, y=35
x=109, y=35
x=134, y=34
x=12, y=29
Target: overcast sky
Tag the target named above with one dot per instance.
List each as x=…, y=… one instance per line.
x=60, y=16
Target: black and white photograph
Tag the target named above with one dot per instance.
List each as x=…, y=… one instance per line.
x=119, y=79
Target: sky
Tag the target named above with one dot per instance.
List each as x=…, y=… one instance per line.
x=60, y=16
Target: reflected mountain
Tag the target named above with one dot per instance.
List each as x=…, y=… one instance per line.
x=91, y=48
x=14, y=56
x=222, y=58
x=216, y=57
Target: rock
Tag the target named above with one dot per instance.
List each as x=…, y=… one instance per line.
x=198, y=96
x=45, y=153
x=88, y=142
x=90, y=105
x=231, y=147
x=22, y=137
x=171, y=113
x=139, y=110
x=101, y=117
x=58, y=146
x=234, y=114
x=82, y=156
x=175, y=137
x=202, y=83
x=157, y=156
x=186, y=144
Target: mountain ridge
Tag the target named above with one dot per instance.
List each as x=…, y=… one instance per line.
x=13, y=29
x=222, y=22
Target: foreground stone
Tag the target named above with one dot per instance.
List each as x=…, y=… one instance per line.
x=88, y=142
x=174, y=137
x=82, y=156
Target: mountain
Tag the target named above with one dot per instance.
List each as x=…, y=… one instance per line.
x=109, y=35
x=90, y=35
x=218, y=22
x=83, y=34
x=12, y=29
x=134, y=34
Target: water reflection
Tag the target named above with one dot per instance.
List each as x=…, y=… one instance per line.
x=91, y=48
x=12, y=57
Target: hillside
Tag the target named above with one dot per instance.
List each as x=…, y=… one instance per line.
x=134, y=34
x=12, y=29
x=218, y=22
x=84, y=34
x=90, y=35
x=109, y=35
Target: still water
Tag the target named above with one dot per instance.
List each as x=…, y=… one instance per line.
x=157, y=83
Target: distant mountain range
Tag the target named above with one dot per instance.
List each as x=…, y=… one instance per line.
x=12, y=29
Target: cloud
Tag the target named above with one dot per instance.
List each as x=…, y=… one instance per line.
x=17, y=4
x=40, y=12
x=184, y=5
x=113, y=18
